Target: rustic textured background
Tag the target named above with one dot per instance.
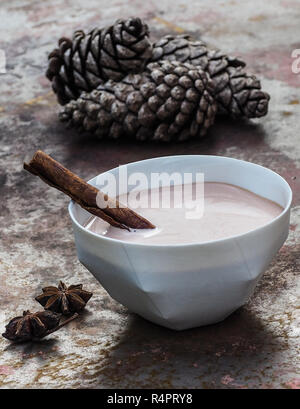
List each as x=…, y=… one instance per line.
x=258, y=346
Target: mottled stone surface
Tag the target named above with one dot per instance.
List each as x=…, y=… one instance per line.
x=258, y=346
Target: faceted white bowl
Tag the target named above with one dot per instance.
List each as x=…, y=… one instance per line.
x=188, y=285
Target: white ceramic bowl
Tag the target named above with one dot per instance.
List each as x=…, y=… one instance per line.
x=187, y=285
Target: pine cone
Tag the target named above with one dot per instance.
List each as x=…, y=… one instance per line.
x=237, y=93
x=168, y=101
x=86, y=61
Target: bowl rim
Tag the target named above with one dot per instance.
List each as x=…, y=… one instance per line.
x=286, y=209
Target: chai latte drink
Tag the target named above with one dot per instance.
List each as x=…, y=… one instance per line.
x=228, y=210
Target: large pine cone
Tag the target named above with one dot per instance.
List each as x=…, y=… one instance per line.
x=168, y=101
x=86, y=61
x=237, y=93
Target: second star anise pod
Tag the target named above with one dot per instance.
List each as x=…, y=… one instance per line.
x=64, y=299
x=31, y=326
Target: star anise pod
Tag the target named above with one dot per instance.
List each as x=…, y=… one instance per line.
x=64, y=299
x=32, y=326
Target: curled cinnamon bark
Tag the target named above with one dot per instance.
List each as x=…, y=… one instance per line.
x=86, y=195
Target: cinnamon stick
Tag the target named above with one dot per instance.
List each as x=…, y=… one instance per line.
x=86, y=195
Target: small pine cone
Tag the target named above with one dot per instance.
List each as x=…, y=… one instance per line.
x=86, y=61
x=237, y=93
x=168, y=101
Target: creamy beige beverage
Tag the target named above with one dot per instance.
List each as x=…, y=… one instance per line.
x=227, y=211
